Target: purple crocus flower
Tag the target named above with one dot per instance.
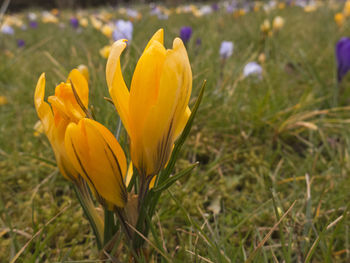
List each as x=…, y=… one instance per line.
x=342, y=52
x=20, y=43
x=74, y=22
x=215, y=7
x=198, y=42
x=185, y=33
x=33, y=24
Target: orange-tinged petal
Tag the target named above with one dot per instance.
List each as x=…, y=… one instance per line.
x=116, y=84
x=81, y=85
x=55, y=133
x=65, y=109
x=95, y=152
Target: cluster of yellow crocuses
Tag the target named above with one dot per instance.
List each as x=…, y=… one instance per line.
x=154, y=111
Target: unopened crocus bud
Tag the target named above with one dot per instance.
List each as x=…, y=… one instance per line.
x=74, y=22
x=215, y=7
x=198, y=42
x=265, y=26
x=342, y=52
x=3, y=100
x=107, y=30
x=262, y=58
x=20, y=43
x=185, y=34
x=277, y=23
x=83, y=22
x=347, y=8
x=226, y=49
x=104, y=52
x=33, y=24
x=339, y=19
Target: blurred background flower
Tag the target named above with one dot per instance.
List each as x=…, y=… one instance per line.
x=20, y=43
x=226, y=49
x=342, y=52
x=278, y=23
x=74, y=22
x=339, y=19
x=124, y=29
x=7, y=30
x=185, y=34
x=252, y=68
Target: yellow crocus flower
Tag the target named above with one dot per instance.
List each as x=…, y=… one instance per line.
x=83, y=22
x=3, y=100
x=97, y=155
x=281, y=5
x=154, y=111
x=107, y=30
x=278, y=23
x=347, y=9
x=63, y=110
x=96, y=23
x=339, y=19
x=104, y=52
x=265, y=27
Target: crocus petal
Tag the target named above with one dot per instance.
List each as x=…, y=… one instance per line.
x=80, y=84
x=95, y=152
x=145, y=84
x=53, y=131
x=167, y=115
x=84, y=70
x=182, y=122
x=43, y=109
x=158, y=36
x=116, y=84
x=63, y=109
x=129, y=174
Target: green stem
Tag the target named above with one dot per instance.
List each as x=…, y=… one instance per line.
x=109, y=226
x=90, y=212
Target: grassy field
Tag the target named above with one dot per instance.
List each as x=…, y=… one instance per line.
x=265, y=146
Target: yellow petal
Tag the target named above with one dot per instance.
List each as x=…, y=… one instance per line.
x=81, y=85
x=85, y=71
x=66, y=109
x=55, y=133
x=182, y=122
x=42, y=108
x=95, y=152
x=158, y=36
x=129, y=174
x=166, y=118
x=145, y=85
x=115, y=81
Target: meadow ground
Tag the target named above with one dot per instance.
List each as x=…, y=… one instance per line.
x=264, y=145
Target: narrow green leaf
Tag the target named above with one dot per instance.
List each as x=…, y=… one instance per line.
x=171, y=180
x=109, y=226
x=89, y=217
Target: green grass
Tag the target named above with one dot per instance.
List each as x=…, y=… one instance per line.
x=254, y=140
